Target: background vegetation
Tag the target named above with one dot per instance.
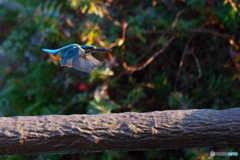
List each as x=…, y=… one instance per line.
x=178, y=54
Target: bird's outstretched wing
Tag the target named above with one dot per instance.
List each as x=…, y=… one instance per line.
x=68, y=54
x=85, y=64
x=66, y=62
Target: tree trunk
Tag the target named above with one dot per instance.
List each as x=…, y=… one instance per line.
x=123, y=131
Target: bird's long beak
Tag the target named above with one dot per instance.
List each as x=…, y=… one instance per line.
x=101, y=49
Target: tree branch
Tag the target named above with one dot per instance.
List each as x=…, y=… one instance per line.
x=137, y=68
x=123, y=131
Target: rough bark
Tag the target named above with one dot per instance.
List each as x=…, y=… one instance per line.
x=123, y=131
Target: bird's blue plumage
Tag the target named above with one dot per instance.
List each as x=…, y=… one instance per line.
x=52, y=51
x=75, y=56
x=71, y=52
x=55, y=51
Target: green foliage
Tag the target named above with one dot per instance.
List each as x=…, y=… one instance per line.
x=199, y=69
x=177, y=100
x=28, y=91
x=228, y=16
x=134, y=96
x=196, y=4
x=101, y=102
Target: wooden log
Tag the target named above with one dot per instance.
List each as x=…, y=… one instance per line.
x=123, y=131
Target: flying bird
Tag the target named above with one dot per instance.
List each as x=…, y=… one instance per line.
x=76, y=56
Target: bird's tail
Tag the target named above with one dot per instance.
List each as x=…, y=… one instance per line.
x=85, y=64
x=52, y=51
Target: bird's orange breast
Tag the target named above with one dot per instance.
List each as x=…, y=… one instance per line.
x=55, y=58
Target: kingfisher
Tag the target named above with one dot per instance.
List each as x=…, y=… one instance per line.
x=76, y=56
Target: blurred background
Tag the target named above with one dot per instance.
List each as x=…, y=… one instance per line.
x=166, y=55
